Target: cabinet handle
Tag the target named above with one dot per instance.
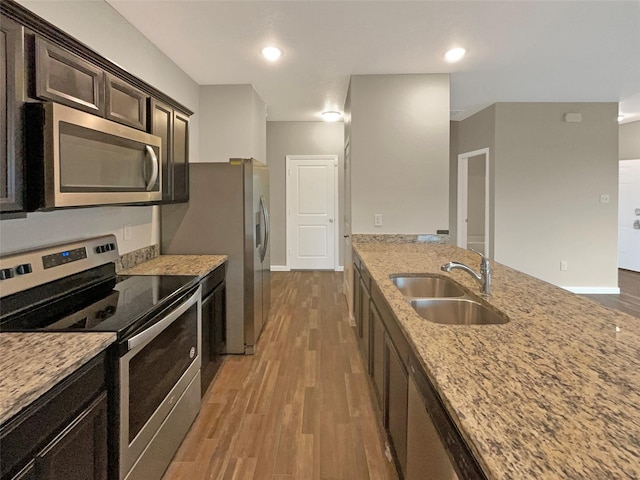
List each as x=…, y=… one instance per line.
x=155, y=168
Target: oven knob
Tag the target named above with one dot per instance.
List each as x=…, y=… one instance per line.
x=23, y=269
x=6, y=273
x=112, y=246
x=100, y=249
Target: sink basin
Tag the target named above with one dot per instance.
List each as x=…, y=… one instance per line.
x=426, y=287
x=456, y=312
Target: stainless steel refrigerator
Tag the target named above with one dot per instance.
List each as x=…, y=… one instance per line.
x=228, y=214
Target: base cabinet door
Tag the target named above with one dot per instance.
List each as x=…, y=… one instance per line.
x=365, y=345
x=79, y=452
x=426, y=455
x=377, y=357
x=397, y=405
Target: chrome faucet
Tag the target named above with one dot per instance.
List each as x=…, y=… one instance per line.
x=484, y=278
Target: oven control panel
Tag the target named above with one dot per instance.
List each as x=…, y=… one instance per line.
x=66, y=256
x=27, y=269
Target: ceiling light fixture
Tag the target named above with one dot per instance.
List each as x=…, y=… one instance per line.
x=271, y=53
x=331, y=116
x=455, y=54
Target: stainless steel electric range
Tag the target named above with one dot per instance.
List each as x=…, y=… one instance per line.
x=156, y=360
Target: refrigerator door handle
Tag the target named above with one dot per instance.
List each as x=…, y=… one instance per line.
x=265, y=214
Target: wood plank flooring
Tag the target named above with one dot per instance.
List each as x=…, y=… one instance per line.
x=628, y=300
x=300, y=408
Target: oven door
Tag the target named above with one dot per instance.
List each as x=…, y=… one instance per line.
x=159, y=379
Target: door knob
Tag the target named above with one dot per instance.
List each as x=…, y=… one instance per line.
x=331, y=220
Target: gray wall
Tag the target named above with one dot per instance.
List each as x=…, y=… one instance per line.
x=100, y=27
x=232, y=123
x=629, y=145
x=299, y=138
x=399, y=152
x=548, y=176
x=473, y=133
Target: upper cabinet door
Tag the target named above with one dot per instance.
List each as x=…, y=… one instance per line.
x=67, y=79
x=180, y=157
x=11, y=99
x=161, y=125
x=125, y=103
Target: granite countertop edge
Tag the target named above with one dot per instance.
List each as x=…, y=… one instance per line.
x=198, y=265
x=33, y=363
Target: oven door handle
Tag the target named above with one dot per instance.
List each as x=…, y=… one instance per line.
x=150, y=333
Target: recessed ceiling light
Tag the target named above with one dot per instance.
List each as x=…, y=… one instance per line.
x=331, y=116
x=271, y=53
x=620, y=117
x=454, y=55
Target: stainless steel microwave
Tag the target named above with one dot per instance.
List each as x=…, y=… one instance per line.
x=78, y=159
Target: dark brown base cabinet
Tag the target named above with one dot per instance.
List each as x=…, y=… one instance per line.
x=214, y=318
x=421, y=436
x=63, y=435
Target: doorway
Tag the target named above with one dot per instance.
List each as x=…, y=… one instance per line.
x=473, y=201
x=629, y=215
x=312, y=201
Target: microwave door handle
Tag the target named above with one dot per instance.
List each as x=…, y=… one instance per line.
x=155, y=168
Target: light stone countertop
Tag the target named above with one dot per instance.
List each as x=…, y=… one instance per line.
x=199, y=265
x=32, y=363
x=553, y=394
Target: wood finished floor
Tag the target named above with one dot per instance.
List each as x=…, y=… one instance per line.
x=301, y=408
x=629, y=298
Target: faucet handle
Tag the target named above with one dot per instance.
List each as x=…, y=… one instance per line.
x=484, y=257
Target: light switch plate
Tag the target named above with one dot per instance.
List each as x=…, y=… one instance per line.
x=377, y=219
x=604, y=198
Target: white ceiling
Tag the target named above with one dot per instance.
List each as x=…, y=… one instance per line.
x=518, y=51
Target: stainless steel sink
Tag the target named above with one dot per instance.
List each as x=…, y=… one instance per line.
x=426, y=286
x=460, y=311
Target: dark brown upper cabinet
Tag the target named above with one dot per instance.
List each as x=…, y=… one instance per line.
x=65, y=78
x=180, y=157
x=11, y=100
x=161, y=124
x=172, y=127
x=125, y=103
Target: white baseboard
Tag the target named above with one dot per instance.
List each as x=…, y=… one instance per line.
x=280, y=268
x=339, y=268
x=594, y=290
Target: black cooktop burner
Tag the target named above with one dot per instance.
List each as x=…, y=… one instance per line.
x=115, y=304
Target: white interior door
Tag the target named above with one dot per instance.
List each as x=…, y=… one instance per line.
x=311, y=211
x=629, y=215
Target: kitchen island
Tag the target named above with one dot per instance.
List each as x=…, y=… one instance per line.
x=554, y=393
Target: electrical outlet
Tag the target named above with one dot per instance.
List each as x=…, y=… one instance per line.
x=377, y=219
x=126, y=232
x=564, y=266
x=604, y=198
